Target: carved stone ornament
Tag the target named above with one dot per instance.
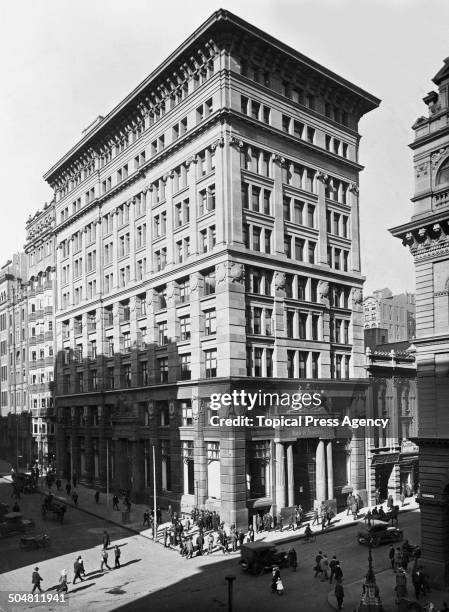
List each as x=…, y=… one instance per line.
x=357, y=296
x=150, y=297
x=279, y=280
x=353, y=188
x=323, y=177
x=323, y=290
x=170, y=291
x=150, y=408
x=235, y=142
x=171, y=408
x=438, y=155
x=237, y=272
x=221, y=272
x=194, y=282
x=422, y=169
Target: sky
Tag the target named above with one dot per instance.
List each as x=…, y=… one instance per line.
x=65, y=62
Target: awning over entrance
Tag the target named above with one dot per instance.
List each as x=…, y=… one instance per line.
x=385, y=458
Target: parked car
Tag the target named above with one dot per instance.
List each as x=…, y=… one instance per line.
x=379, y=533
x=26, y=482
x=13, y=523
x=256, y=557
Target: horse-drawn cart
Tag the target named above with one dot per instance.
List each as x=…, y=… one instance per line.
x=38, y=541
x=52, y=506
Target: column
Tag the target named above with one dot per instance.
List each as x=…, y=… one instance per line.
x=330, y=471
x=321, y=218
x=280, y=476
x=320, y=474
x=290, y=477
x=353, y=198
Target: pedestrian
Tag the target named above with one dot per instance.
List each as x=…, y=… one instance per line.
x=368, y=516
x=77, y=570
x=210, y=543
x=275, y=576
x=317, y=567
x=316, y=517
x=62, y=582
x=158, y=515
x=354, y=510
x=233, y=540
x=104, y=559
x=97, y=496
x=397, y=558
x=324, y=565
x=165, y=537
x=200, y=543
x=292, y=558
x=401, y=584
x=338, y=572
x=377, y=496
x=146, y=518
x=115, y=502
x=339, y=595
x=417, y=580
x=68, y=488
x=308, y=532
x=74, y=480
x=106, y=539
x=332, y=565
x=250, y=536
x=16, y=507
x=241, y=537
x=117, y=553
x=36, y=580
x=75, y=498
x=390, y=502
x=391, y=556
x=189, y=548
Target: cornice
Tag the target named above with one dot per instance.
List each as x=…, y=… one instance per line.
x=221, y=22
x=422, y=140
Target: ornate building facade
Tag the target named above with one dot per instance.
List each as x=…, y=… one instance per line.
x=207, y=241
x=41, y=281
x=392, y=455
x=427, y=236
x=15, y=422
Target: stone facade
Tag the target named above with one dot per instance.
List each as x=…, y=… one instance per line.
x=207, y=240
x=427, y=236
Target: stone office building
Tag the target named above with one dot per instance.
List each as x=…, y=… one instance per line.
x=41, y=293
x=427, y=236
x=207, y=240
x=15, y=439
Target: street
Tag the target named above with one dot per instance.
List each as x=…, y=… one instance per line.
x=152, y=577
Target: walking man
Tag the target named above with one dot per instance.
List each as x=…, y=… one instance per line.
x=117, y=553
x=62, y=587
x=115, y=503
x=332, y=565
x=339, y=595
x=104, y=559
x=97, y=496
x=106, y=539
x=317, y=568
x=146, y=518
x=68, y=488
x=58, y=484
x=75, y=498
x=391, y=556
x=324, y=565
x=77, y=568
x=36, y=580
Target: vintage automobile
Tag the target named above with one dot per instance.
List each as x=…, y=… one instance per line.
x=32, y=542
x=257, y=557
x=13, y=523
x=379, y=533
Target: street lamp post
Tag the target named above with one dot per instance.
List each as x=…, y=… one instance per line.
x=370, y=600
x=230, y=579
x=107, y=473
x=154, y=495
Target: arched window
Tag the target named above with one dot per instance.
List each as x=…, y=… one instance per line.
x=443, y=174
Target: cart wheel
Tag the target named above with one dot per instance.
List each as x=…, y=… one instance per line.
x=244, y=564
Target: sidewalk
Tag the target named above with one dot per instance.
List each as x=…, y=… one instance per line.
x=386, y=582
x=86, y=503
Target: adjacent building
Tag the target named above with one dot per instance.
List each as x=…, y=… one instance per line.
x=427, y=235
x=15, y=425
x=392, y=454
x=41, y=291
x=393, y=314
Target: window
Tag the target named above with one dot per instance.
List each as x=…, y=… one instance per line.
x=184, y=291
x=163, y=369
x=162, y=333
x=210, y=357
x=186, y=373
x=126, y=342
x=206, y=200
x=182, y=213
x=210, y=324
x=209, y=283
x=186, y=413
x=141, y=233
x=184, y=324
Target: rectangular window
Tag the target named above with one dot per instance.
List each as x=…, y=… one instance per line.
x=186, y=372
x=210, y=359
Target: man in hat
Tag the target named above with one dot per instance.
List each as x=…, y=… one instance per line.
x=36, y=580
x=117, y=553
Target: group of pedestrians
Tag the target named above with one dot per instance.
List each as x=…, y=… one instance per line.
x=79, y=572
x=330, y=570
x=323, y=515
